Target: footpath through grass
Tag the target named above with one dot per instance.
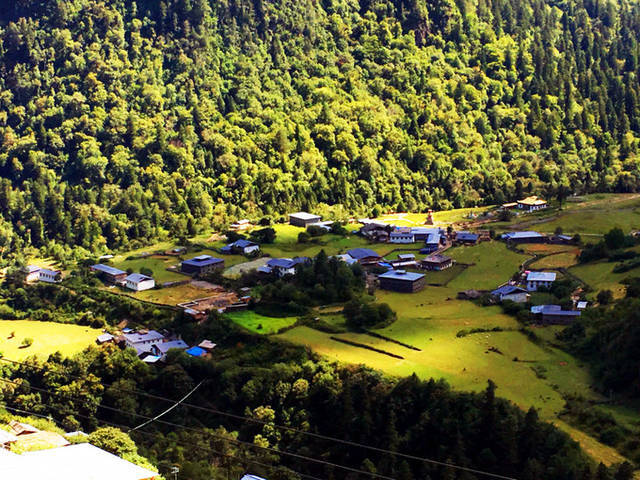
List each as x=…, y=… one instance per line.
x=48, y=338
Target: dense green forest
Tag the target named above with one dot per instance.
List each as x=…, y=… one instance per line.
x=123, y=121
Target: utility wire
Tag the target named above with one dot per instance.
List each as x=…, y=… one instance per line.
x=168, y=409
x=292, y=429
x=239, y=460
x=239, y=442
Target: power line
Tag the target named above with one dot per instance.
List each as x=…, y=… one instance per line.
x=292, y=429
x=239, y=442
x=156, y=435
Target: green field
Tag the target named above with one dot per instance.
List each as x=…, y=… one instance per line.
x=444, y=277
x=560, y=260
x=493, y=265
x=600, y=276
x=430, y=320
x=597, y=214
x=257, y=323
x=157, y=264
x=48, y=337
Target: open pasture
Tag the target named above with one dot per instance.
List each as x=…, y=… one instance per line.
x=48, y=337
x=257, y=323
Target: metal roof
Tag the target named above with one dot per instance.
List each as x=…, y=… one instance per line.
x=164, y=347
x=242, y=243
x=202, y=260
x=437, y=258
x=518, y=235
x=281, y=263
x=402, y=275
x=466, y=236
x=137, y=278
x=406, y=256
x=547, y=308
x=541, y=277
x=360, y=253
x=508, y=289
x=152, y=335
x=304, y=216
x=107, y=269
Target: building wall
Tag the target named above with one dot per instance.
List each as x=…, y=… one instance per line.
x=551, y=319
x=402, y=238
x=516, y=297
x=298, y=222
x=405, y=286
x=200, y=269
x=437, y=266
x=141, y=286
x=529, y=240
x=535, y=285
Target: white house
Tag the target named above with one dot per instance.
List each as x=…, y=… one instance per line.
x=512, y=293
x=37, y=274
x=139, y=282
x=50, y=276
x=142, y=341
x=531, y=204
x=536, y=280
x=402, y=235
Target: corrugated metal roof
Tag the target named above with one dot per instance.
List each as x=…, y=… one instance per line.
x=402, y=275
x=541, y=277
x=107, y=269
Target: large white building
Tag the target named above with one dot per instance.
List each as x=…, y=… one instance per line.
x=139, y=282
x=37, y=274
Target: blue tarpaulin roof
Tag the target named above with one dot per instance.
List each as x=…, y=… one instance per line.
x=196, y=351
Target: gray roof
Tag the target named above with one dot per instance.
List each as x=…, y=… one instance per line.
x=105, y=337
x=164, y=347
x=137, y=278
x=202, y=260
x=281, y=263
x=242, y=243
x=402, y=275
x=437, y=258
x=547, y=308
x=508, y=290
x=143, y=337
x=541, y=277
x=519, y=235
x=360, y=253
x=107, y=269
x=305, y=216
x=406, y=256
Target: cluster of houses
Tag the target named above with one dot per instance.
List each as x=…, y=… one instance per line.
x=515, y=238
x=50, y=455
x=133, y=281
x=283, y=266
x=152, y=346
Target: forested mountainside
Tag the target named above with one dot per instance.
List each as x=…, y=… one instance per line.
x=137, y=119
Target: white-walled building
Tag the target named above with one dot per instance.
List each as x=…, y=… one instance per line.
x=536, y=280
x=139, y=282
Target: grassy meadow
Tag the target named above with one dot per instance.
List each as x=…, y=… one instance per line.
x=257, y=323
x=48, y=337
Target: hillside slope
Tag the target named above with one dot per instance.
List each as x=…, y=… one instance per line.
x=135, y=119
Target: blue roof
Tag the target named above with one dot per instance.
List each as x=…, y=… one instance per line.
x=242, y=243
x=138, y=277
x=195, y=351
x=402, y=275
x=226, y=249
x=467, y=236
x=433, y=238
x=202, y=260
x=520, y=235
x=281, y=263
x=359, y=253
x=547, y=308
x=508, y=289
x=541, y=277
x=107, y=269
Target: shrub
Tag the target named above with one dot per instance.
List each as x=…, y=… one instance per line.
x=26, y=343
x=316, y=230
x=605, y=297
x=304, y=237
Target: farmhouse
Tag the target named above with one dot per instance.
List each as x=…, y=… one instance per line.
x=161, y=349
x=554, y=315
x=404, y=260
x=466, y=238
x=283, y=266
x=142, y=342
x=240, y=225
x=512, y=293
x=201, y=264
x=401, y=235
x=524, y=237
x=536, y=280
x=402, y=281
x=303, y=219
x=138, y=282
x=376, y=232
x=241, y=247
x=37, y=274
x=364, y=256
x=532, y=204
x=436, y=262
x=561, y=240
x=109, y=274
